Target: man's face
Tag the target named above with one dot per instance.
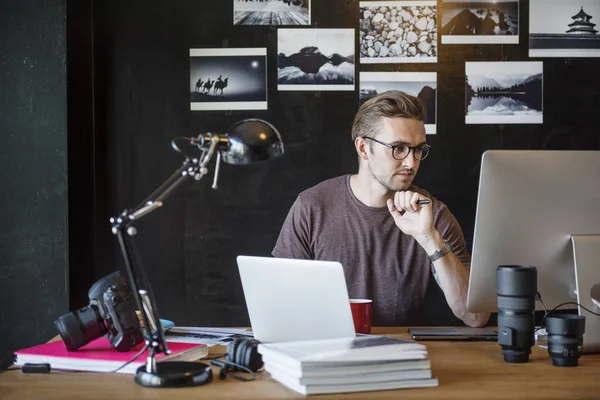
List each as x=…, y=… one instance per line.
x=395, y=174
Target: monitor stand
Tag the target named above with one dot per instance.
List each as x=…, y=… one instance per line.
x=586, y=254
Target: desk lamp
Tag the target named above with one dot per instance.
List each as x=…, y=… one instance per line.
x=247, y=141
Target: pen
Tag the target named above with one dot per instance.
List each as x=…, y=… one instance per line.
x=420, y=202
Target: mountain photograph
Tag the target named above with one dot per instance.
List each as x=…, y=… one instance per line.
x=315, y=59
x=472, y=21
x=504, y=92
x=420, y=84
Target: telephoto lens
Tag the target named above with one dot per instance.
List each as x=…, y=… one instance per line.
x=516, y=287
x=565, y=338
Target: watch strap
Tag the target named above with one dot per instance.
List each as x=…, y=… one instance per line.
x=440, y=253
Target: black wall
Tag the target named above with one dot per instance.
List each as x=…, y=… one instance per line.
x=33, y=172
x=189, y=246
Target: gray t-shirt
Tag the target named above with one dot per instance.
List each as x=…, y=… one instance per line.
x=327, y=222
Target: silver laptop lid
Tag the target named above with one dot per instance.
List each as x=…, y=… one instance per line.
x=291, y=299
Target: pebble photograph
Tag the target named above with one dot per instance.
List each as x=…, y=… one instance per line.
x=398, y=32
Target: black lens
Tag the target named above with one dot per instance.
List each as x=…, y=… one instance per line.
x=516, y=287
x=80, y=327
x=565, y=338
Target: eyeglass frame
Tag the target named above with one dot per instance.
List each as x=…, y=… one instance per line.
x=410, y=148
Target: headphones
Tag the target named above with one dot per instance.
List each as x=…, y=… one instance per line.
x=242, y=355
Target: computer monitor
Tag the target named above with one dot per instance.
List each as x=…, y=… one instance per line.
x=535, y=208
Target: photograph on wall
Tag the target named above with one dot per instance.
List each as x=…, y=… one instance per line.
x=480, y=22
x=420, y=84
x=509, y=92
x=398, y=32
x=564, y=28
x=228, y=79
x=271, y=12
x=315, y=59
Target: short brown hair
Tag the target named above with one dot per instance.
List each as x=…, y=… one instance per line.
x=390, y=104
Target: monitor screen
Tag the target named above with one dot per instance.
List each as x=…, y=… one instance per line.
x=529, y=204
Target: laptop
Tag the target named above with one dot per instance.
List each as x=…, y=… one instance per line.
x=458, y=333
x=290, y=299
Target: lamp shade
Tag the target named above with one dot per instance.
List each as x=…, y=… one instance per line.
x=252, y=140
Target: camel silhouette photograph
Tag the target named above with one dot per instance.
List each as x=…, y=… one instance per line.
x=315, y=59
x=477, y=21
x=228, y=79
x=271, y=12
x=420, y=84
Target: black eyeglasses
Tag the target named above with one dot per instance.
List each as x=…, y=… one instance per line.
x=401, y=151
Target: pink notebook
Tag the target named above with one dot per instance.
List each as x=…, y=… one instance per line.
x=100, y=356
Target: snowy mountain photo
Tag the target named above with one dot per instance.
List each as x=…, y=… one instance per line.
x=504, y=92
x=315, y=59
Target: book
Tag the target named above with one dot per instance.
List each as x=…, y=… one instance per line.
x=100, y=356
x=309, y=389
x=341, y=369
x=303, y=355
x=342, y=379
x=363, y=363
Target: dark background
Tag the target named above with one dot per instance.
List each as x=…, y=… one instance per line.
x=115, y=75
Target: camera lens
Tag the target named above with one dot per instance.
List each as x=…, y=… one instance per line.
x=516, y=287
x=80, y=327
x=565, y=338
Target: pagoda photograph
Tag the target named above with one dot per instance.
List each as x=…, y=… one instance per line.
x=564, y=28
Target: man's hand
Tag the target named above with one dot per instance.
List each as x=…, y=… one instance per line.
x=412, y=219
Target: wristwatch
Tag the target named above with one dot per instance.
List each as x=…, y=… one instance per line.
x=440, y=253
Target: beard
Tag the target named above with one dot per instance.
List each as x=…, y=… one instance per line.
x=394, y=182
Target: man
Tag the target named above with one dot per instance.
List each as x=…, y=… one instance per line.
x=390, y=246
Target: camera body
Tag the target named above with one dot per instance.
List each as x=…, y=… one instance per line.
x=111, y=312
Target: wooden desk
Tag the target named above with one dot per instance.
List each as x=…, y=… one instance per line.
x=466, y=370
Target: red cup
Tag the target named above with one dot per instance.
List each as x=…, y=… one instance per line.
x=361, y=314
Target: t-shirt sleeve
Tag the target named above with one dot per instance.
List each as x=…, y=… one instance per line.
x=294, y=238
x=452, y=233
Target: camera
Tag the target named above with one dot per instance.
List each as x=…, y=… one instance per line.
x=516, y=287
x=565, y=338
x=111, y=312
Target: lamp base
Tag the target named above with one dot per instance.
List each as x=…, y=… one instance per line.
x=174, y=374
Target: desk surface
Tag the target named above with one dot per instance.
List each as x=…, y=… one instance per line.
x=466, y=370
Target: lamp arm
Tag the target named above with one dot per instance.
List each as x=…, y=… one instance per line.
x=190, y=167
x=155, y=339
x=168, y=184
x=122, y=227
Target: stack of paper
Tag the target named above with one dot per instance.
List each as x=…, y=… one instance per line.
x=348, y=365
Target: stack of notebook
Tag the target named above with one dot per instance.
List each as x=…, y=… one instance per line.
x=358, y=364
